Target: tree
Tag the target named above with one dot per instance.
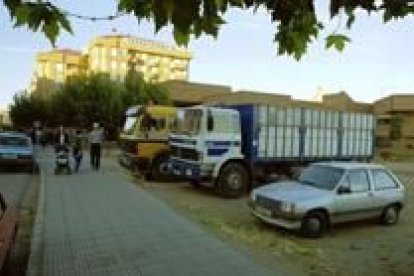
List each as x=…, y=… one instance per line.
x=85, y=99
x=296, y=21
x=27, y=108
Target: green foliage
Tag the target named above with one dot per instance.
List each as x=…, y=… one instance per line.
x=38, y=16
x=295, y=21
x=85, y=99
x=336, y=40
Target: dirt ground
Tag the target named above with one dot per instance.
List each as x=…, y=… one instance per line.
x=363, y=248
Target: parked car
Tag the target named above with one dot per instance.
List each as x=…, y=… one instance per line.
x=328, y=193
x=8, y=226
x=16, y=150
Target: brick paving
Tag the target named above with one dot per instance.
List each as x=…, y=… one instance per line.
x=98, y=223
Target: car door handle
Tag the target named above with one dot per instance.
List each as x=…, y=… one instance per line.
x=370, y=194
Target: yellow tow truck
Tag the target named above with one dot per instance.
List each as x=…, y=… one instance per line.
x=144, y=140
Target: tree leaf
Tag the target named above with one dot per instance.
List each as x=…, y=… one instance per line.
x=336, y=40
x=180, y=37
x=64, y=22
x=22, y=14
x=51, y=30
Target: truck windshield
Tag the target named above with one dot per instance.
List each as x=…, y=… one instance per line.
x=130, y=124
x=191, y=122
x=322, y=177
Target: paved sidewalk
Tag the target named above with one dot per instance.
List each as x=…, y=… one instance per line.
x=97, y=223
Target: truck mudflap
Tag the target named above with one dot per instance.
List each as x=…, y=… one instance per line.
x=184, y=169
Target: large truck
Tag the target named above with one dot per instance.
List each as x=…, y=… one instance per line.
x=144, y=140
x=231, y=147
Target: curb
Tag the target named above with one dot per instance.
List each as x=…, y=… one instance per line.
x=36, y=254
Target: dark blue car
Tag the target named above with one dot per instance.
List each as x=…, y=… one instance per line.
x=16, y=151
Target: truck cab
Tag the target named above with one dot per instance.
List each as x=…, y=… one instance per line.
x=207, y=141
x=144, y=139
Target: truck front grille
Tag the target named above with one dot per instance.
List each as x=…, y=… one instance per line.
x=184, y=153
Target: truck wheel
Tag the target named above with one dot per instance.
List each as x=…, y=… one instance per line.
x=233, y=180
x=159, y=169
x=314, y=225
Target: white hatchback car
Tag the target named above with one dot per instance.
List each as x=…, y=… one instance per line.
x=329, y=193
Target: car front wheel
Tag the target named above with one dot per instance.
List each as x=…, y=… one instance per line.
x=314, y=225
x=390, y=215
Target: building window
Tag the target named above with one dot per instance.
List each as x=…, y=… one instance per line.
x=96, y=52
x=40, y=69
x=124, y=52
x=114, y=52
x=103, y=64
x=113, y=65
x=59, y=67
x=95, y=63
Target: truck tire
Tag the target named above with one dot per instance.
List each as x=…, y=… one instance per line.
x=159, y=170
x=233, y=180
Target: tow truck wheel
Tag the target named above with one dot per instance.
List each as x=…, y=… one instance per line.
x=159, y=169
x=233, y=180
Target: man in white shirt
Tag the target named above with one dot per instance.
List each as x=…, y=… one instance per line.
x=95, y=141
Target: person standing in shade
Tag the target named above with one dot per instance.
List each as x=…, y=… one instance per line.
x=77, y=150
x=95, y=141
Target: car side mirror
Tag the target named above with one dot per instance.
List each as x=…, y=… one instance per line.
x=343, y=190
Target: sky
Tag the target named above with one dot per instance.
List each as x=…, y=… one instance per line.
x=378, y=62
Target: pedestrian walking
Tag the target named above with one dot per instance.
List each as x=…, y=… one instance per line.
x=61, y=139
x=95, y=142
x=78, y=149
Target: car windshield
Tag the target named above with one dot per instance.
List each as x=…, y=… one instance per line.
x=322, y=177
x=13, y=141
x=191, y=123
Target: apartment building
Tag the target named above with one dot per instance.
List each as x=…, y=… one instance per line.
x=115, y=55
x=55, y=66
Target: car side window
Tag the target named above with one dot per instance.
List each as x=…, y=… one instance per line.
x=357, y=181
x=382, y=180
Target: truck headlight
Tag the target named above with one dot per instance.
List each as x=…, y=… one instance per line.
x=287, y=207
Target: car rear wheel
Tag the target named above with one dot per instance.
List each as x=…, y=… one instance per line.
x=390, y=215
x=314, y=225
